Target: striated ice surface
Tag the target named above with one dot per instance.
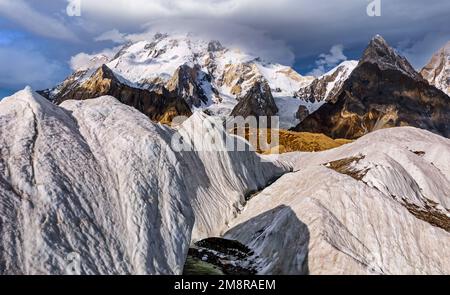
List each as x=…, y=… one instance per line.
x=96, y=180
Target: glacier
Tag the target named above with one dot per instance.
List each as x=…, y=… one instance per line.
x=376, y=206
x=96, y=179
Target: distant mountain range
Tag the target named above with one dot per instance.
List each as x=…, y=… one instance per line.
x=176, y=74
x=203, y=74
x=92, y=182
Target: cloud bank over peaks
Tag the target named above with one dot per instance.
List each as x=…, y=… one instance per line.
x=84, y=61
x=326, y=61
x=252, y=41
x=113, y=35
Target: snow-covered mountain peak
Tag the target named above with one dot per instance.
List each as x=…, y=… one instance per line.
x=326, y=87
x=207, y=74
x=437, y=71
x=345, y=66
x=28, y=96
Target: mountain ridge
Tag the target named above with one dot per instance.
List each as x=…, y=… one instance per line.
x=213, y=77
x=382, y=91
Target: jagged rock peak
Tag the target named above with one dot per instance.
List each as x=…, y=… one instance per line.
x=187, y=84
x=327, y=86
x=257, y=102
x=215, y=46
x=382, y=91
x=380, y=53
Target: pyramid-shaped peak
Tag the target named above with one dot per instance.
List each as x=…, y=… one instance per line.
x=378, y=38
x=386, y=58
x=377, y=48
x=104, y=72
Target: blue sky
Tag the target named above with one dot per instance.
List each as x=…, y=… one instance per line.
x=4, y=92
x=39, y=38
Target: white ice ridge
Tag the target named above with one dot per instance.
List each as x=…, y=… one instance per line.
x=376, y=206
x=98, y=179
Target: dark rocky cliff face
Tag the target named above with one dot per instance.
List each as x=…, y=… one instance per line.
x=258, y=102
x=186, y=83
x=160, y=105
x=383, y=91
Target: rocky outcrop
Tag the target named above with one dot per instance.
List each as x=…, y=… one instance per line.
x=302, y=113
x=437, y=71
x=187, y=83
x=214, y=46
x=159, y=106
x=69, y=84
x=382, y=91
x=257, y=102
x=239, y=78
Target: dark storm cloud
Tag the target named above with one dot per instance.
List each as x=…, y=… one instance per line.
x=308, y=27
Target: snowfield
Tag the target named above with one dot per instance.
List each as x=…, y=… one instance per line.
x=96, y=179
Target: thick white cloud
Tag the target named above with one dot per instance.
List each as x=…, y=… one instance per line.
x=254, y=41
x=307, y=26
x=113, y=35
x=84, y=61
x=329, y=60
x=22, y=13
x=142, y=10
